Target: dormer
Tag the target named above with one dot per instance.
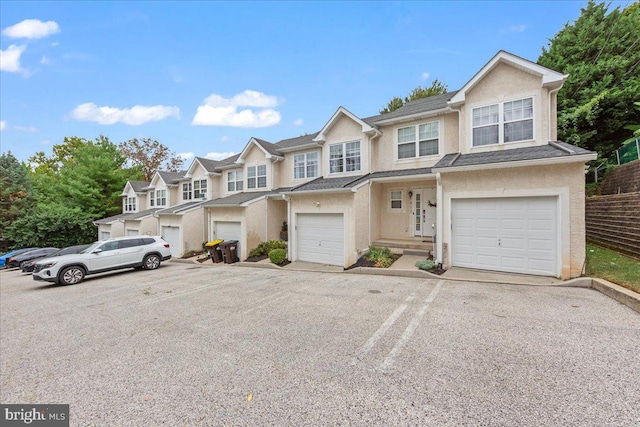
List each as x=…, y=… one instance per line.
x=255, y=171
x=163, y=189
x=197, y=183
x=509, y=103
x=134, y=196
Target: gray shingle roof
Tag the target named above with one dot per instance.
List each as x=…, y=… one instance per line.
x=109, y=219
x=294, y=142
x=229, y=161
x=271, y=148
x=171, y=177
x=321, y=183
x=208, y=164
x=422, y=105
x=240, y=198
x=510, y=155
x=393, y=173
x=139, y=186
x=173, y=210
x=139, y=215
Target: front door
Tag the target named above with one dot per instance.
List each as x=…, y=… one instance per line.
x=423, y=212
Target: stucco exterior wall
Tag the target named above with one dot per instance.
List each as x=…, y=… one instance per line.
x=255, y=157
x=361, y=225
x=277, y=213
x=386, y=151
x=115, y=229
x=198, y=174
x=284, y=169
x=228, y=214
x=565, y=181
x=191, y=225
x=505, y=83
x=346, y=130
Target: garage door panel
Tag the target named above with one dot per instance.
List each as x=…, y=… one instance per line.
x=320, y=238
x=172, y=236
x=525, y=226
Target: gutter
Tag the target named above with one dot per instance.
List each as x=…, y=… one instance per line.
x=413, y=116
x=518, y=163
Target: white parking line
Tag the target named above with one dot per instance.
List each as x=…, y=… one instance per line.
x=271, y=301
x=408, y=333
x=181, y=293
x=366, y=348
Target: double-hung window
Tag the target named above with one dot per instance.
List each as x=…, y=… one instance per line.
x=257, y=176
x=234, y=181
x=152, y=198
x=396, y=199
x=186, y=191
x=161, y=197
x=501, y=123
x=305, y=165
x=419, y=140
x=200, y=189
x=130, y=204
x=344, y=157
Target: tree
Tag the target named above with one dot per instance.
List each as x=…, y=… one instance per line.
x=150, y=155
x=601, y=53
x=15, y=190
x=436, y=88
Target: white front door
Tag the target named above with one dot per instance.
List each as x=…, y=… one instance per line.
x=423, y=212
x=511, y=234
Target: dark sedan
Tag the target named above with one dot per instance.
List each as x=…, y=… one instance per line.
x=27, y=267
x=17, y=260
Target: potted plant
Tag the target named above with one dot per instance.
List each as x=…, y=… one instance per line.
x=284, y=232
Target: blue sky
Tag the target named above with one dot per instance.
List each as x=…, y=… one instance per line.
x=204, y=77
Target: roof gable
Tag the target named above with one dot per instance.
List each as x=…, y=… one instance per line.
x=168, y=178
x=366, y=127
x=549, y=77
x=208, y=165
x=270, y=150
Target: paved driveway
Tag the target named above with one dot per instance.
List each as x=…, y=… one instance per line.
x=203, y=345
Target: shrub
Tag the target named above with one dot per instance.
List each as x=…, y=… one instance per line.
x=277, y=256
x=265, y=247
x=426, y=264
x=384, y=262
x=376, y=253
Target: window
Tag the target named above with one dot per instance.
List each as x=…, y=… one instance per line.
x=161, y=197
x=234, y=181
x=500, y=123
x=344, y=157
x=152, y=198
x=200, y=189
x=428, y=137
x=186, y=191
x=396, y=200
x=257, y=176
x=109, y=246
x=305, y=165
x=130, y=204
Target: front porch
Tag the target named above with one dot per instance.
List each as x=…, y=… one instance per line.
x=422, y=246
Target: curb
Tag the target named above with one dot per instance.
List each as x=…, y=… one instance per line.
x=618, y=293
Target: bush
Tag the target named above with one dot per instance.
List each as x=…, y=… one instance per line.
x=376, y=253
x=384, y=262
x=426, y=264
x=265, y=248
x=277, y=256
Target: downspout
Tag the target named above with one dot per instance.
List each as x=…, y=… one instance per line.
x=288, y=199
x=551, y=92
x=370, y=184
x=266, y=220
x=439, y=217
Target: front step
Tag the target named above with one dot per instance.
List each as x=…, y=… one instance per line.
x=409, y=247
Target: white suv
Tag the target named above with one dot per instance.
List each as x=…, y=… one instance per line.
x=114, y=254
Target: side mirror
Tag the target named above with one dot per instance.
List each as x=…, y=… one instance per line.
x=97, y=251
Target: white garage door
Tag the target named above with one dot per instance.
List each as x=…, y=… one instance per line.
x=105, y=235
x=320, y=238
x=227, y=230
x=172, y=236
x=516, y=234
x=132, y=232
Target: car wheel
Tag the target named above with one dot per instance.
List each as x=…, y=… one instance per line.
x=23, y=265
x=151, y=262
x=71, y=275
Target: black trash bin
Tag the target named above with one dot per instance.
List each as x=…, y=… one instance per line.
x=229, y=249
x=213, y=248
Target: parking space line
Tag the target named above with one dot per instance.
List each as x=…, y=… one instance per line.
x=269, y=302
x=181, y=293
x=366, y=348
x=409, y=331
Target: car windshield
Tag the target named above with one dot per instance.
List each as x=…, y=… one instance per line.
x=92, y=247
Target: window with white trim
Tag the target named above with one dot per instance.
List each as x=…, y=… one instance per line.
x=130, y=204
x=257, y=176
x=200, y=189
x=419, y=140
x=344, y=157
x=396, y=199
x=152, y=198
x=161, y=197
x=186, y=191
x=234, y=181
x=305, y=165
x=501, y=123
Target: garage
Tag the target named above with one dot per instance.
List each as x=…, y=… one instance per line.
x=172, y=236
x=514, y=234
x=229, y=230
x=105, y=235
x=132, y=232
x=320, y=238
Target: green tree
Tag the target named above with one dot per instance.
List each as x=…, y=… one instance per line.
x=150, y=155
x=601, y=53
x=15, y=190
x=436, y=88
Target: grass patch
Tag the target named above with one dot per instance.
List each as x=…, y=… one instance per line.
x=614, y=267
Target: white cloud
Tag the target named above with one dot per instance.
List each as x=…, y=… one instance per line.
x=514, y=29
x=219, y=156
x=29, y=129
x=219, y=111
x=3, y=125
x=31, y=29
x=10, y=58
x=186, y=156
x=225, y=138
x=137, y=115
x=45, y=61
x=298, y=122
x=54, y=44
x=424, y=76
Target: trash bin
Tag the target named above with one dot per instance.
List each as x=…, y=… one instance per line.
x=229, y=251
x=213, y=248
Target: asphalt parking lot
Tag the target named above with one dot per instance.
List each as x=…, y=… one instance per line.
x=199, y=345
